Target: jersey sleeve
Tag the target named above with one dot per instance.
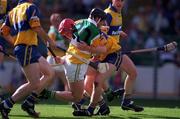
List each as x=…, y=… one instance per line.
x=33, y=16
x=101, y=41
x=109, y=19
x=52, y=36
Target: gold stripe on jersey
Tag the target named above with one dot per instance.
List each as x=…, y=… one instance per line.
x=110, y=43
x=23, y=27
x=73, y=49
x=26, y=37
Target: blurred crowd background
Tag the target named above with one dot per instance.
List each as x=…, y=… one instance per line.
x=148, y=23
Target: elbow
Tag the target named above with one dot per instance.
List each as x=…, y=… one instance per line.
x=100, y=50
x=37, y=29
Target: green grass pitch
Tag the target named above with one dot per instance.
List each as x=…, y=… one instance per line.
x=154, y=109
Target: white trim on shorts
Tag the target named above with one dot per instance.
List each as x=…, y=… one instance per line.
x=50, y=59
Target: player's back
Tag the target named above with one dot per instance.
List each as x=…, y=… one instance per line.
x=87, y=30
x=115, y=22
x=20, y=21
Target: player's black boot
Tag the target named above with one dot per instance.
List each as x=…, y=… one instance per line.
x=103, y=108
x=5, y=107
x=85, y=112
x=131, y=106
x=45, y=94
x=82, y=112
x=29, y=105
x=112, y=94
x=103, y=111
x=29, y=109
x=4, y=111
x=76, y=106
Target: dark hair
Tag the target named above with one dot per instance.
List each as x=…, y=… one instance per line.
x=97, y=13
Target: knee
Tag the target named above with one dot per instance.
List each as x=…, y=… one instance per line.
x=51, y=73
x=35, y=85
x=133, y=74
x=98, y=84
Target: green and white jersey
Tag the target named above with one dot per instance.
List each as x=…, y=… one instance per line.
x=87, y=30
x=56, y=36
x=54, y=31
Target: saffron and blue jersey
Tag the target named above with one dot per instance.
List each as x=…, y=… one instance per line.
x=21, y=20
x=114, y=21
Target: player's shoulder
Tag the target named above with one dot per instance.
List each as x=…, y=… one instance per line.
x=107, y=10
x=79, y=21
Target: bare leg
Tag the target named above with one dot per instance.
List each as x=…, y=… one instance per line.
x=100, y=79
x=89, y=80
x=48, y=74
x=74, y=95
x=61, y=75
x=129, y=67
x=32, y=72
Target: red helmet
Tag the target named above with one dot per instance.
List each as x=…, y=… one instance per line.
x=66, y=27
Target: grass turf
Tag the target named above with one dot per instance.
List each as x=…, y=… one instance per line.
x=154, y=109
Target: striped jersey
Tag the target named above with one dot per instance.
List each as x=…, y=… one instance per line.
x=88, y=32
x=114, y=21
x=20, y=20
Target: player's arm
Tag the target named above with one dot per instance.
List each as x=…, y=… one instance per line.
x=123, y=34
x=5, y=31
x=108, y=19
x=92, y=49
x=96, y=47
x=34, y=21
x=42, y=34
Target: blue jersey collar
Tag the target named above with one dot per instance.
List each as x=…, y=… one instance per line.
x=113, y=8
x=22, y=1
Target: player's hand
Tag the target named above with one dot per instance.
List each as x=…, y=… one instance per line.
x=59, y=60
x=104, y=29
x=83, y=46
x=51, y=43
x=123, y=35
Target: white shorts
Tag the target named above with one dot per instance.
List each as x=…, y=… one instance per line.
x=75, y=72
x=51, y=60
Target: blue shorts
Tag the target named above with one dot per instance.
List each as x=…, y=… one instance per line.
x=26, y=54
x=114, y=58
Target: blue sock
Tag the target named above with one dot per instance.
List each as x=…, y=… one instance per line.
x=91, y=109
x=32, y=98
x=102, y=104
x=126, y=99
x=8, y=103
x=82, y=101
